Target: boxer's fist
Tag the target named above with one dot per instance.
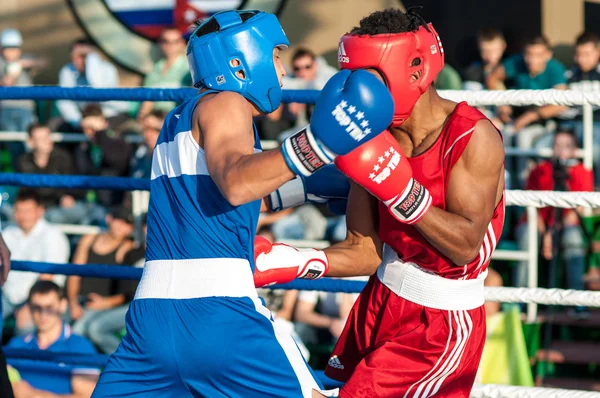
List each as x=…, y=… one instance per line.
x=278, y=263
x=353, y=107
x=381, y=168
x=328, y=185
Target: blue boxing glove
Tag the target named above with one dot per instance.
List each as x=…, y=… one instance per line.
x=328, y=185
x=353, y=107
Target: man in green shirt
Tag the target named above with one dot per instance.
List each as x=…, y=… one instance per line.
x=169, y=71
x=534, y=69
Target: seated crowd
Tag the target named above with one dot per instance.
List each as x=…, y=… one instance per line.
x=87, y=315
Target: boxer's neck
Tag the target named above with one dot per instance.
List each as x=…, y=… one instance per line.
x=425, y=123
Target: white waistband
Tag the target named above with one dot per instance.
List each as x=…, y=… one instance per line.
x=209, y=277
x=411, y=282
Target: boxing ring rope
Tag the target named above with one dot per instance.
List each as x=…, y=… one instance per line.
x=531, y=200
x=96, y=361
x=499, y=294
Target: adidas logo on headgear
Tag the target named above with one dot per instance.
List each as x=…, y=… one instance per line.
x=342, y=57
x=334, y=362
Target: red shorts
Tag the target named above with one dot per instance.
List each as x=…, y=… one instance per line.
x=391, y=347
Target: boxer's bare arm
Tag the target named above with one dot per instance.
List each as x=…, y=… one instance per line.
x=224, y=131
x=475, y=187
x=360, y=253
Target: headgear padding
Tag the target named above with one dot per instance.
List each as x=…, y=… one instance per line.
x=394, y=55
x=239, y=57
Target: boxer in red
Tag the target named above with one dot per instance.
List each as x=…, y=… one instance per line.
x=424, y=216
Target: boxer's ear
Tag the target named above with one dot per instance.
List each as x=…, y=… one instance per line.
x=416, y=75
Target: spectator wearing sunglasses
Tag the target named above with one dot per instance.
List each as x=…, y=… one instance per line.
x=53, y=335
x=169, y=71
x=309, y=73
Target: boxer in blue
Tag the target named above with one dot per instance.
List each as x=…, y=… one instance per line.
x=196, y=327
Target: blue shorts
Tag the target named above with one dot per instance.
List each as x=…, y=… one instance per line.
x=204, y=347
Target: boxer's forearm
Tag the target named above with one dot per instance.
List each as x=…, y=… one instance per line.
x=356, y=256
x=250, y=177
x=454, y=236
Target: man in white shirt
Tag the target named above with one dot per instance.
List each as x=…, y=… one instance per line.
x=87, y=68
x=31, y=239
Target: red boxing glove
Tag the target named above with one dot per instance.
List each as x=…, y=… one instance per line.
x=381, y=168
x=280, y=263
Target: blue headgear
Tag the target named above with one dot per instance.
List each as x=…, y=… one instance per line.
x=212, y=57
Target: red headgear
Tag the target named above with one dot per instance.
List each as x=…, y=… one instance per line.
x=392, y=55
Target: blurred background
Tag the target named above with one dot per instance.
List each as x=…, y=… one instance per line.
x=493, y=45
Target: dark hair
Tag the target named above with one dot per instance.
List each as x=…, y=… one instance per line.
x=45, y=287
x=157, y=113
x=92, y=110
x=391, y=20
x=587, y=37
x=489, y=34
x=265, y=229
x=303, y=52
x=213, y=26
x=35, y=126
x=121, y=213
x=568, y=131
x=81, y=42
x=25, y=194
x=537, y=40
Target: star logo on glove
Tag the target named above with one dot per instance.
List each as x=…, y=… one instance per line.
x=342, y=114
x=393, y=160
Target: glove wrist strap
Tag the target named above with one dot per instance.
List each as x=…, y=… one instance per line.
x=290, y=194
x=304, y=154
x=412, y=204
x=315, y=264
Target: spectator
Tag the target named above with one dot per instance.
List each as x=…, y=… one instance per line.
x=535, y=69
x=585, y=76
x=310, y=73
x=106, y=327
x=87, y=69
x=566, y=172
x=140, y=165
x=448, y=79
x=105, y=154
x=96, y=300
x=321, y=316
x=62, y=206
x=52, y=335
x=15, y=115
x=32, y=239
x=169, y=71
x=491, y=45
x=492, y=280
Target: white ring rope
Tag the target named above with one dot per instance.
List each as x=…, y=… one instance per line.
x=523, y=97
x=585, y=298
x=500, y=391
x=553, y=199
